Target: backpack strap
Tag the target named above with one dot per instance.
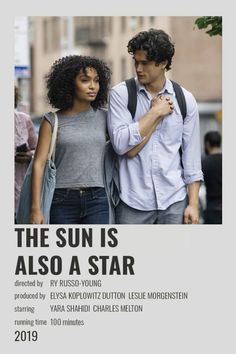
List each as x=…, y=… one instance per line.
x=132, y=96
x=180, y=98
x=183, y=109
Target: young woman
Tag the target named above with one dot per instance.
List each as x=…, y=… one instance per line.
x=77, y=87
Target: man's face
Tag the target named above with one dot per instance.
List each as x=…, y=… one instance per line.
x=148, y=71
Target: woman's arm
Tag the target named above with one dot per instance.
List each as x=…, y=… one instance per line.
x=135, y=150
x=124, y=132
x=41, y=153
x=161, y=106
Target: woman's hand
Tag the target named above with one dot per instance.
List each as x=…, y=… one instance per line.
x=163, y=105
x=36, y=217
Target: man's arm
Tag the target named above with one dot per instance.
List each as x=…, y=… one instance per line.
x=191, y=159
x=191, y=213
x=135, y=150
x=125, y=133
x=146, y=127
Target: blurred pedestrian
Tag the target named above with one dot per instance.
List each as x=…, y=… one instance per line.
x=25, y=143
x=157, y=186
x=77, y=87
x=212, y=170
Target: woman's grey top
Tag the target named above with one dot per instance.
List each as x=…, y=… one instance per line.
x=80, y=145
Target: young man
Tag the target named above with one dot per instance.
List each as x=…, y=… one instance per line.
x=212, y=169
x=157, y=185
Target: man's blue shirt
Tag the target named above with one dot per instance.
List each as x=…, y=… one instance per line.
x=154, y=178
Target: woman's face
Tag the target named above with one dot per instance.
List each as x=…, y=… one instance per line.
x=87, y=85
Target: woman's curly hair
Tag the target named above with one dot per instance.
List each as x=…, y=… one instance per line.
x=60, y=80
x=156, y=43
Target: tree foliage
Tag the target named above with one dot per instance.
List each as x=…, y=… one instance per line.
x=214, y=23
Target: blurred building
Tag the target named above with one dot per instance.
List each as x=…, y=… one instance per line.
x=197, y=64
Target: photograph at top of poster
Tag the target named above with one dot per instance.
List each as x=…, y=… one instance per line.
x=118, y=120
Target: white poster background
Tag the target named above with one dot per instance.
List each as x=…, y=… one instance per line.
x=199, y=259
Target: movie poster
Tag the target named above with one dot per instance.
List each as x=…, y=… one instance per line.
x=116, y=288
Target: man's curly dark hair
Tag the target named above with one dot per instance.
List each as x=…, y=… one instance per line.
x=156, y=43
x=60, y=80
